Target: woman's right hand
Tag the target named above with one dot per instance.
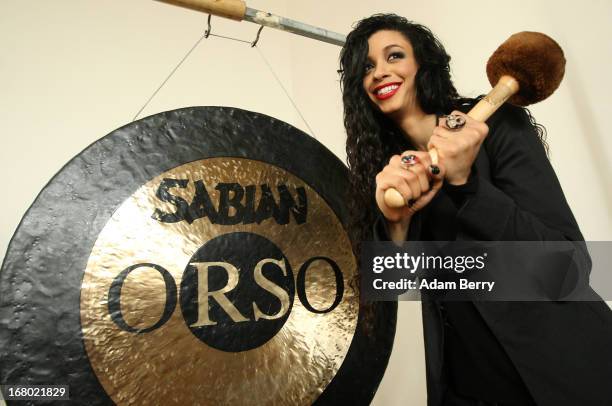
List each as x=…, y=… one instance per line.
x=414, y=181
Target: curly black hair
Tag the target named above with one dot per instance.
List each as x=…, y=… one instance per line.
x=372, y=137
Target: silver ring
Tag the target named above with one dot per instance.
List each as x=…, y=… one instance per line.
x=455, y=122
x=410, y=160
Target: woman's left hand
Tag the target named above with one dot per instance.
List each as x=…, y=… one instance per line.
x=458, y=148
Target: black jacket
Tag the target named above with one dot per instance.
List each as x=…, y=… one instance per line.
x=561, y=350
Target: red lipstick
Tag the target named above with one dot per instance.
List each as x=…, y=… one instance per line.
x=388, y=94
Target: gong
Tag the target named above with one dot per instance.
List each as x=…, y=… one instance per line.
x=197, y=256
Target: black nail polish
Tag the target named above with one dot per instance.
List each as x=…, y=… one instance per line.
x=435, y=170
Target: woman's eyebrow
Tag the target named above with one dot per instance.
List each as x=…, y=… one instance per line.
x=391, y=46
x=369, y=58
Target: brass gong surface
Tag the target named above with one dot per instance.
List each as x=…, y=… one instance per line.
x=293, y=367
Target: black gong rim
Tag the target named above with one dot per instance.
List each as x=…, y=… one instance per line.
x=40, y=332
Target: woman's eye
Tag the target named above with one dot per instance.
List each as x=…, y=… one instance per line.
x=396, y=55
x=368, y=67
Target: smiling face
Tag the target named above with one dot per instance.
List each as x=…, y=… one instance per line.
x=390, y=72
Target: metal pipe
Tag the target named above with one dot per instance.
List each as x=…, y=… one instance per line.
x=237, y=10
x=293, y=26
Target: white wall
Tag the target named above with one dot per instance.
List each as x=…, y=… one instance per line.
x=72, y=71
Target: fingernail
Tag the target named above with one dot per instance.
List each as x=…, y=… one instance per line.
x=435, y=170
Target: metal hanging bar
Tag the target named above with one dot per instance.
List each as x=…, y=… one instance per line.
x=237, y=10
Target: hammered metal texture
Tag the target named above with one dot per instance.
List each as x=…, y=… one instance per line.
x=42, y=340
x=292, y=368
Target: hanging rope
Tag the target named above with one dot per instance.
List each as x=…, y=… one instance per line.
x=253, y=44
x=286, y=92
x=178, y=65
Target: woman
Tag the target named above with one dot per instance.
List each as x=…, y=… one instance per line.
x=493, y=182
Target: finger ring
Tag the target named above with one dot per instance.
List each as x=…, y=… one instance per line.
x=455, y=122
x=410, y=160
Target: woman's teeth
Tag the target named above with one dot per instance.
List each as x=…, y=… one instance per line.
x=386, y=89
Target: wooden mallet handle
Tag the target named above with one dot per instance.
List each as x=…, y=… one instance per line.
x=233, y=9
x=505, y=88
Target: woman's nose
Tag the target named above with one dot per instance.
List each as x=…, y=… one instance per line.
x=381, y=71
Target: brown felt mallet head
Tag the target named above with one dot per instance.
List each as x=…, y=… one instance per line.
x=535, y=60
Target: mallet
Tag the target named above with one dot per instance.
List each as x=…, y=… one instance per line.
x=525, y=69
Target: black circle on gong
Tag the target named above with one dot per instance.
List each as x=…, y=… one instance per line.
x=249, y=267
